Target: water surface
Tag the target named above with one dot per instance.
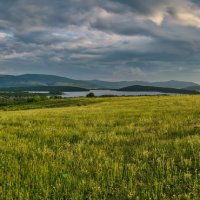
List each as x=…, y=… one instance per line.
x=110, y=92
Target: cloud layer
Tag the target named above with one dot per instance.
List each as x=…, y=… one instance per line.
x=105, y=39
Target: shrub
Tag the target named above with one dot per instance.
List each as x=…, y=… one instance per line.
x=91, y=94
x=37, y=99
x=55, y=92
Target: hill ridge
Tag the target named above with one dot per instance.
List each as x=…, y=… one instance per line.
x=29, y=80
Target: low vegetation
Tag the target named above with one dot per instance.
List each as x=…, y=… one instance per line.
x=16, y=98
x=101, y=148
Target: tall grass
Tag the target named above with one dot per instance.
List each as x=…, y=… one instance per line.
x=116, y=148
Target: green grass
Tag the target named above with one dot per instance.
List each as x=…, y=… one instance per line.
x=102, y=148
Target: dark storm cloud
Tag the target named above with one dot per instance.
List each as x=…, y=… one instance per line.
x=144, y=7
x=121, y=39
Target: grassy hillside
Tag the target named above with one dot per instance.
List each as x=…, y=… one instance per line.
x=47, y=103
x=114, y=148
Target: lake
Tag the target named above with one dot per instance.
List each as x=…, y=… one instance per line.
x=110, y=92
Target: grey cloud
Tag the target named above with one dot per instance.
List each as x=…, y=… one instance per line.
x=101, y=38
x=144, y=7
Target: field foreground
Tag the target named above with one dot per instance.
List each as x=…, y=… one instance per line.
x=115, y=148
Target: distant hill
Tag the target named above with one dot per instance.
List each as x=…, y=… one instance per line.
x=169, y=84
x=29, y=80
x=32, y=80
x=116, y=85
x=174, y=84
x=139, y=88
x=44, y=89
x=196, y=88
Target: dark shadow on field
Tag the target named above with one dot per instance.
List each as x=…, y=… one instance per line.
x=181, y=134
x=9, y=124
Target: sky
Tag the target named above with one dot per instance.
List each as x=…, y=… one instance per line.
x=150, y=40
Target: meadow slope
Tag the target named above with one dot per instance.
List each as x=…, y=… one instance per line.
x=115, y=148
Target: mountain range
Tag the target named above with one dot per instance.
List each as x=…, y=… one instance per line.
x=33, y=80
x=168, y=84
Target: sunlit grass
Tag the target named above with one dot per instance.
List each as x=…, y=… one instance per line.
x=114, y=148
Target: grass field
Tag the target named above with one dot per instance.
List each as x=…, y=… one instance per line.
x=102, y=148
